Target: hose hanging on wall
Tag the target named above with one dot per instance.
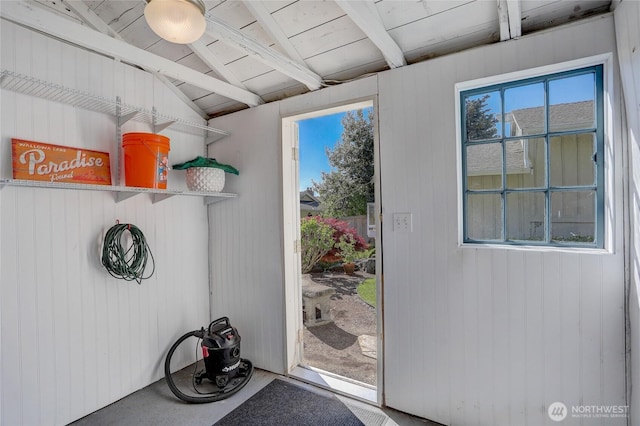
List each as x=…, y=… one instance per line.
x=128, y=263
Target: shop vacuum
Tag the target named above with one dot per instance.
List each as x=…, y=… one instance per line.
x=227, y=372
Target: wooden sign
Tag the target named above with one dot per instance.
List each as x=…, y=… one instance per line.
x=55, y=163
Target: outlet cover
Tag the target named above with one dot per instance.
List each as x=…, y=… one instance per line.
x=402, y=222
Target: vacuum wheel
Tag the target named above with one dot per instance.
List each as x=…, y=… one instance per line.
x=222, y=381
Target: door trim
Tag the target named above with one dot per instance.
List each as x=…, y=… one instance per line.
x=292, y=260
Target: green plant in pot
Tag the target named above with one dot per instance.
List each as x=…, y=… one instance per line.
x=348, y=252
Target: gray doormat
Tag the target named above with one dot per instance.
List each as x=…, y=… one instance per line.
x=285, y=404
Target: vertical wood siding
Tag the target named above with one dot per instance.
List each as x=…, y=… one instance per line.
x=74, y=339
x=483, y=336
x=627, y=22
x=490, y=336
x=245, y=234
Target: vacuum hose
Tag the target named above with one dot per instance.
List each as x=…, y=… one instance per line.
x=223, y=393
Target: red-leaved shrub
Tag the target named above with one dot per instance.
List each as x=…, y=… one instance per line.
x=341, y=228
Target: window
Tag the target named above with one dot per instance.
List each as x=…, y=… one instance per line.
x=532, y=161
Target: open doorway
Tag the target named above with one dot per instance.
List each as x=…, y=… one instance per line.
x=333, y=314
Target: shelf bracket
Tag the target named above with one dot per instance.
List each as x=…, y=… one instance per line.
x=120, y=117
x=212, y=200
x=121, y=196
x=214, y=138
x=159, y=197
x=158, y=127
x=124, y=118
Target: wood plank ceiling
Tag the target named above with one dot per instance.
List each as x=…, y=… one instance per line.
x=261, y=51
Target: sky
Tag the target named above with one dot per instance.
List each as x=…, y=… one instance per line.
x=564, y=90
x=315, y=135
x=571, y=89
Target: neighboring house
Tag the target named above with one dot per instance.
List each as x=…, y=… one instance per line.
x=309, y=204
x=574, y=115
x=571, y=163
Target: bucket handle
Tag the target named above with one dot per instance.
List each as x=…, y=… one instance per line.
x=168, y=167
x=218, y=321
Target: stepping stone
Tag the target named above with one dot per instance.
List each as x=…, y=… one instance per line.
x=368, y=345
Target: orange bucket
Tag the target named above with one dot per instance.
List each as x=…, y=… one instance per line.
x=146, y=160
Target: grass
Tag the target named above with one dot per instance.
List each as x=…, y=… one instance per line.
x=367, y=291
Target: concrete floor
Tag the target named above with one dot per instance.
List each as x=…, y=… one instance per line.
x=156, y=405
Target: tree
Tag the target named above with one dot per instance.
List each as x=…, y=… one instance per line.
x=349, y=186
x=481, y=123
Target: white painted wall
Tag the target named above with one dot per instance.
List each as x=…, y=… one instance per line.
x=480, y=336
x=74, y=339
x=627, y=22
x=245, y=237
x=491, y=336
x=473, y=336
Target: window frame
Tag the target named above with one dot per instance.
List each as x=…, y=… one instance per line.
x=466, y=90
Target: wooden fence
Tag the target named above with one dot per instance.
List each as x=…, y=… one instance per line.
x=359, y=223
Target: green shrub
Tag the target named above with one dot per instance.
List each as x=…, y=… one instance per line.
x=317, y=240
x=347, y=247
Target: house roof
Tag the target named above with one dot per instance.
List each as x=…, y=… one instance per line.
x=528, y=121
x=261, y=51
x=486, y=159
x=310, y=203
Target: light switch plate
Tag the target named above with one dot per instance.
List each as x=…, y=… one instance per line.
x=402, y=222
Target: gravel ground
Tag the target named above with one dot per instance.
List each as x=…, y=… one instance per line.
x=334, y=347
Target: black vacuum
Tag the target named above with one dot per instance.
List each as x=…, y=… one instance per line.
x=220, y=346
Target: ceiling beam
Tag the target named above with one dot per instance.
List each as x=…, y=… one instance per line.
x=515, y=18
x=93, y=20
x=270, y=57
x=365, y=15
x=503, y=19
x=510, y=19
x=90, y=18
x=34, y=17
x=202, y=51
x=269, y=24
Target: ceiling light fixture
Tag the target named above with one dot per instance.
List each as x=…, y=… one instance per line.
x=177, y=21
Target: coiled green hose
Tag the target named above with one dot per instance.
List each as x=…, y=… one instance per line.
x=128, y=264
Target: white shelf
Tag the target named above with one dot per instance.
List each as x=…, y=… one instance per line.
x=54, y=92
x=121, y=192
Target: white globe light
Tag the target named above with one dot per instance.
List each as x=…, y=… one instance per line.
x=177, y=21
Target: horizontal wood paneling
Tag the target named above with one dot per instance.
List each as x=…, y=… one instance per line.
x=74, y=339
x=490, y=335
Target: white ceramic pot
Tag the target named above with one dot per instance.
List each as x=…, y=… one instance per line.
x=205, y=179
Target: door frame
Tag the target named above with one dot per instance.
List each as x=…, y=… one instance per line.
x=292, y=254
